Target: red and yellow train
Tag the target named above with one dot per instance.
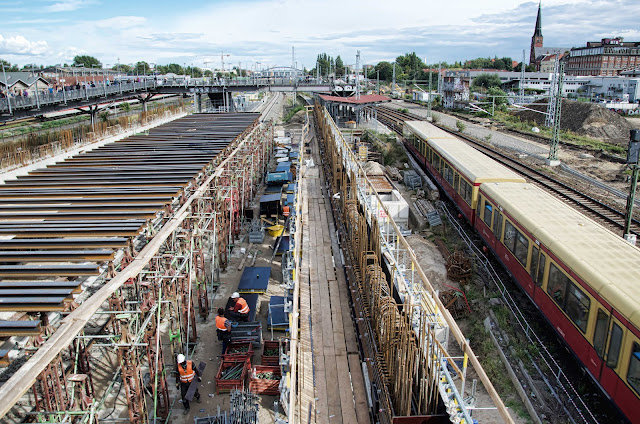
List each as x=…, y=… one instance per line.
x=582, y=277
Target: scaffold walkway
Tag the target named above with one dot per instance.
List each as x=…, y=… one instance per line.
x=330, y=374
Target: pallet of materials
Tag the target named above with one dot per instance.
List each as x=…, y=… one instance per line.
x=232, y=374
x=265, y=380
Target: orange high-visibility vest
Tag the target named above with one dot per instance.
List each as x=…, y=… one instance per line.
x=220, y=323
x=285, y=210
x=186, y=375
x=244, y=308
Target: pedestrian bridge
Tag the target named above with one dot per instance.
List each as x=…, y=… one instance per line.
x=88, y=99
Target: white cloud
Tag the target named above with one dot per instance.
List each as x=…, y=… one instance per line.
x=121, y=22
x=68, y=5
x=19, y=45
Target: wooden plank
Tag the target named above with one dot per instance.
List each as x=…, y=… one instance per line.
x=333, y=396
x=347, y=404
x=336, y=319
x=322, y=405
x=359, y=391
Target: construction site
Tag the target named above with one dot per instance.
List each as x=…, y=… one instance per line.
x=118, y=255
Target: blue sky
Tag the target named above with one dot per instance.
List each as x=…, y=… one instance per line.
x=251, y=31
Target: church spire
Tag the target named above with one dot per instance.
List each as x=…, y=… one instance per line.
x=538, y=32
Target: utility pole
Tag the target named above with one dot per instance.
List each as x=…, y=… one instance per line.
x=439, y=79
x=429, y=117
x=393, y=83
x=378, y=81
x=632, y=159
x=522, y=70
x=358, y=75
x=552, y=92
x=555, y=135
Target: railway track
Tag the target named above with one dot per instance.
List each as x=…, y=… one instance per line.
x=587, y=205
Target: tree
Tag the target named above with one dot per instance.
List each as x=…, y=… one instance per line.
x=8, y=67
x=339, y=66
x=86, y=60
x=125, y=69
x=528, y=68
x=385, y=69
x=499, y=100
x=142, y=68
x=487, y=81
x=410, y=64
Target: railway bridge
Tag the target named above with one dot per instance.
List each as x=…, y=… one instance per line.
x=90, y=100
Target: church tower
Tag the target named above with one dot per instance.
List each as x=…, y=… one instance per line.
x=536, y=40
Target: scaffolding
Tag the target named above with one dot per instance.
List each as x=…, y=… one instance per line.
x=142, y=298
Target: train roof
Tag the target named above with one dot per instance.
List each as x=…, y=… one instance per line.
x=603, y=259
x=476, y=166
x=427, y=131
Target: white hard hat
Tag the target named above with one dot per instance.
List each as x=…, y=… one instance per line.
x=235, y=295
x=180, y=358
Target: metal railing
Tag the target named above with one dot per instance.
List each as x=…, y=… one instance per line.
x=71, y=93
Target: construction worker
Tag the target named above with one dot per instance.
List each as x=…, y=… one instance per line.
x=223, y=329
x=187, y=372
x=240, y=311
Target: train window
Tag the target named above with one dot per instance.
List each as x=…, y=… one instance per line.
x=448, y=174
x=540, y=276
x=479, y=206
x=438, y=163
x=488, y=210
x=456, y=181
x=577, y=307
x=522, y=248
x=614, y=346
x=633, y=375
x=533, y=269
x=465, y=191
x=600, y=333
x=497, y=225
x=557, y=287
x=509, y=235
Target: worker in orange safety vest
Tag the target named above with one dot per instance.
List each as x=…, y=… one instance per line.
x=223, y=329
x=240, y=311
x=187, y=371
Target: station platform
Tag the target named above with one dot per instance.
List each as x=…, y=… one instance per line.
x=330, y=378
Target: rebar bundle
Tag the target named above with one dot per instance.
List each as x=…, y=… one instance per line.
x=243, y=407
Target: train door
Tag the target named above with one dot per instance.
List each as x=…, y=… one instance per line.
x=615, y=340
x=600, y=331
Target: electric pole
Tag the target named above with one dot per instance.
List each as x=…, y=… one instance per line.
x=522, y=70
x=632, y=159
x=555, y=135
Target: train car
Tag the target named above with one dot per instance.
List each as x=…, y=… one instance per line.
x=456, y=166
x=582, y=277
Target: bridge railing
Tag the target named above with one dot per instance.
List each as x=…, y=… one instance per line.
x=72, y=94
x=44, y=98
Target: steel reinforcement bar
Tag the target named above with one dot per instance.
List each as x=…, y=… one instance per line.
x=394, y=334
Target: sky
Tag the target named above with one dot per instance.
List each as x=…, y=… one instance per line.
x=260, y=33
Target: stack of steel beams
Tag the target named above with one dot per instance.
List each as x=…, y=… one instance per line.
x=63, y=223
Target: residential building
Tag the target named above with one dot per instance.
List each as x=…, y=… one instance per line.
x=608, y=57
x=18, y=82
